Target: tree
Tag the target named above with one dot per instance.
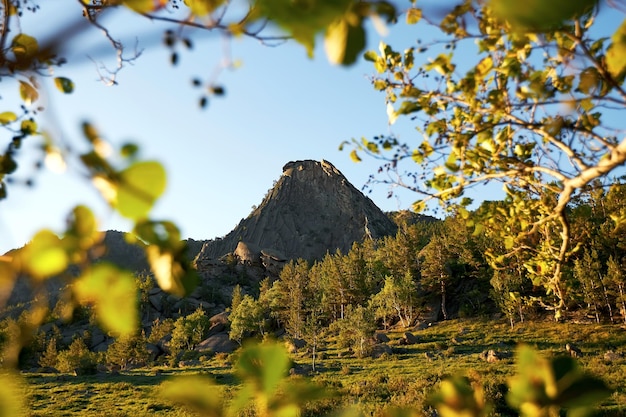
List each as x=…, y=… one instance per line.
x=190, y=330
x=237, y=296
x=128, y=351
x=533, y=108
x=77, y=358
x=288, y=297
x=398, y=297
x=356, y=329
x=248, y=317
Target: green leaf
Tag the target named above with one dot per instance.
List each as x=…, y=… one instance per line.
x=540, y=15
x=65, y=85
x=172, y=273
x=380, y=85
x=83, y=228
x=7, y=117
x=264, y=366
x=413, y=15
x=28, y=127
x=24, y=47
x=44, y=256
x=114, y=295
x=200, y=393
x=589, y=80
x=371, y=56
x=140, y=186
x=129, y=150
x=203, y=7
x=28, y=93
x=616, y=53
x=344, y=41
x=303, y=20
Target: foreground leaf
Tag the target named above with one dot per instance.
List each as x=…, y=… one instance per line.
x=140, y=186
x=344, y=40
x=540, y=15
x=65, y=85
x=114, y=295
x=44, y=256
x=616, y=53
x=200, y=393
x=11, y=395
x=28, y=93
x=7, y=117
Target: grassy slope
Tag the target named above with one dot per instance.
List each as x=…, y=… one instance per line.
x=405, y=377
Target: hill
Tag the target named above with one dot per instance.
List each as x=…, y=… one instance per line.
x=311, y=210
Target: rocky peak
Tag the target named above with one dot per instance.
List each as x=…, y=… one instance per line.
x=312, y=209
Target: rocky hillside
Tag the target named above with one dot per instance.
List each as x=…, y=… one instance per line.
x=312, y=209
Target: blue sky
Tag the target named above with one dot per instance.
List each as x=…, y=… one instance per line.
x=279, y=106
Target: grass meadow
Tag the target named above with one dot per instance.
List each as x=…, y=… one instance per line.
x=404, y=377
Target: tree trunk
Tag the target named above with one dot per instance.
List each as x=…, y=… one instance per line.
x=444, y=311
x=621, y=296
x=606, y=299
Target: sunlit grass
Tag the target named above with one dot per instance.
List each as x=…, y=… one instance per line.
x=405, y=377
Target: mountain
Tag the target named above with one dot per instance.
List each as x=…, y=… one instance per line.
x=311, y=210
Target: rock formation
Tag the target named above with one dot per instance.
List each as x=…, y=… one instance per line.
x=311, y=210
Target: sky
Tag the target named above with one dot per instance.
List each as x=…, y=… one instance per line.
x=279, y=106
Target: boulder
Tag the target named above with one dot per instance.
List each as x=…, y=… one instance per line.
x=410, y=339
x=381, y=337
x=294, y=344
x=612, y=356
x=491, y=356
x=219, y=343
x=216, y=328
x=220, y=318
x=381, y=349
x=154, y=351
x=248, y=253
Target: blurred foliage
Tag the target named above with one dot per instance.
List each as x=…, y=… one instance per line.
x=487, y=124
x=514, y=111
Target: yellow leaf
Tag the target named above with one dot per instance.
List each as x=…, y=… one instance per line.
x=7, y=117
x=336, y=40
x=24, y=46
x=140, y=186
x=203, y=7
x=11, y=395
x=28, y=93
x=114, y=295
x=65, y=85
x=44, y=256
x=413, y=15
x=144, y=6
x=616, y=53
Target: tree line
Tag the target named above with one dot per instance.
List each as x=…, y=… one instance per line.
x=438, y=270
